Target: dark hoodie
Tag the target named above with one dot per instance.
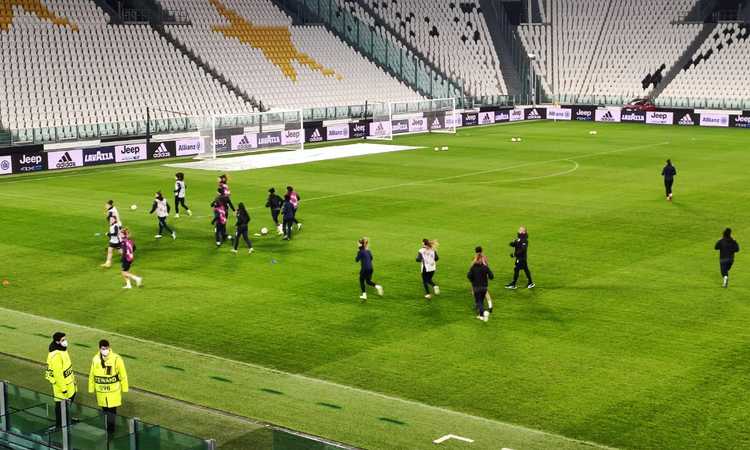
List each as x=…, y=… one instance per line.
x=520, y=246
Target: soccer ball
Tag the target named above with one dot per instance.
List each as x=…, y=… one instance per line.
x=592, y=132
x=264, y=231
x=513, y=140
x=444, y=148
x=437, y=149
x=133, y=207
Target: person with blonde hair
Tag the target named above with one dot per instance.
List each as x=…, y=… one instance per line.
x=428, y=257
x=479, y=276
x=364, y=257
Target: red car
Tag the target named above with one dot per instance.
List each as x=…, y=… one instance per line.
x=640, y=104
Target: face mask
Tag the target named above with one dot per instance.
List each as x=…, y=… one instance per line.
x=105, y=352
x=64, y=343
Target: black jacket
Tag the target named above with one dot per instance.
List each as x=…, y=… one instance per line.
x=520, y=247
x=243, y=219
x=479, y=275
x=274, y=202
x=668, y=172
x=727, y=247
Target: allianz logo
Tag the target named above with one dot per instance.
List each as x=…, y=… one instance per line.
x=187, y=147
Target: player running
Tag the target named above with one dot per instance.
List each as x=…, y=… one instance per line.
x=294, y=198
x=128, y=256
x=161, y=206
x=727, y=247
x=428, y=258
x=479, y=276
x=220, y=222
x=224, y=191
x=114, y=241
x=243, y=219
x=520, y=249
x=113, y=212
x=287, y=215
x=364, y=257
x=275, y=202
x=179, y=195
x=668, y=172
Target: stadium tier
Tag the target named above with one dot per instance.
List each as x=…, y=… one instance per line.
x=66, y=69
x=453, y=35
x=254, y=45
x=718, y=72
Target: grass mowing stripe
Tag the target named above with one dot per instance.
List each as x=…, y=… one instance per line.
x=300, y=409
x=167, y=366
x=272, y=391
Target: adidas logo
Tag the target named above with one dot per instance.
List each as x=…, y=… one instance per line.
x=65, y=162
x=244, y=140
x=436, y=123
x=315, y=136
x=534, y=114
x=686, y=120
x=161, y=152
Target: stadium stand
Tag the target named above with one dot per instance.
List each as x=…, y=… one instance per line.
x=606, y=48
x=453, y=35
x=717, y=73
x=74, y=75
x=255, y=45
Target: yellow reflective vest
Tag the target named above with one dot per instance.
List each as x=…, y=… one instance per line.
x=108, y=379
x=60, y=374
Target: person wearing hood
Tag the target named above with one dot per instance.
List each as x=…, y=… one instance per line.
x=727, y=247
x=520, y=249
x=668, y=172
x=161, y=206
x=109, y=380
x=60, y=373
x=275, y=202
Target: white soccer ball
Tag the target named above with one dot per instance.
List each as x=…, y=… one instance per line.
x=133, y=207
x=445, y=148
x=592, y=132
x=264, y=231
x=437, y=149
x=519, y=139
x=514, y=139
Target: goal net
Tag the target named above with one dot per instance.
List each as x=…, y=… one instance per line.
x=423, y=116
x=380, y=127
x=233, y=134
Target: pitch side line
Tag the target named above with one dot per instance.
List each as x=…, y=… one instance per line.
x=313, y=380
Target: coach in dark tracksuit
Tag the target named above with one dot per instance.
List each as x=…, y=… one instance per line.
x=520, y=249
x=274, y=202
x=668, y=172
x=479, y=275
x=727, y=247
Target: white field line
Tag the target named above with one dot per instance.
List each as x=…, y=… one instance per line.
x=556, y=174
x=311, y=379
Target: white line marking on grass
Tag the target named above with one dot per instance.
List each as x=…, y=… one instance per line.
x=448, y=437
x=314, y=380
x=556, y=174
x=481, y=172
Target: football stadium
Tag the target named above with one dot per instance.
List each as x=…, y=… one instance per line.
x=374, y=224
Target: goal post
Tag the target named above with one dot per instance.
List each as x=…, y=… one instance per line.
x=380, y=127
x=231, y=134
x=424, y=116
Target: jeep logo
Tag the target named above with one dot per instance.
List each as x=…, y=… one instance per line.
x=659, y=116
x=135, y=149
x=31, y=159
x=221, y=141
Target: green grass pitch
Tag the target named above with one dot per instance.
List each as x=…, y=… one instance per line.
x=627, y=341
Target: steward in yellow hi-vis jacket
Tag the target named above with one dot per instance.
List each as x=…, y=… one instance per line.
x=109, y=380
x=60, y=373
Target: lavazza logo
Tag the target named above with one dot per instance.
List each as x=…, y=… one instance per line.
x=269, y=140
x=630, y=117
x=534, y=114
x=65, y=161
x=686, y=120
x=502, y=117
x=161, y=152
x=99, y=156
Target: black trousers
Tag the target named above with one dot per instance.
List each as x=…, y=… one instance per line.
x=180, y=201
x=365, y=278
x=668, y=186
x=163, y=225
x=229, y=202
x=275, y=216
x=479, y=293
x=295, y=216
x=521, y=265
x=725, y=266
x=242, y=231
x=221, y=232
x=288, y=223
x=110, y=418
x=427, y=280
